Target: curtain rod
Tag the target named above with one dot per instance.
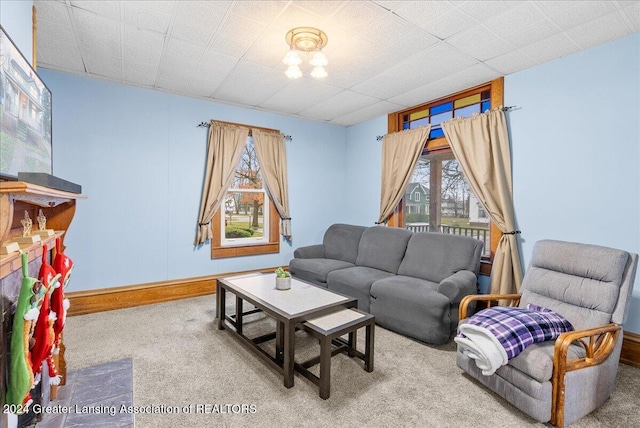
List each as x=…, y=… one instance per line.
x=207, y=124
x=380, y=137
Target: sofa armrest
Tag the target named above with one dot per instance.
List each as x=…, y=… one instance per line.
x=309, y=252
x=458, y=285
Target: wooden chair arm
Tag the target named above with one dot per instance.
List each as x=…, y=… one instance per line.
x=489, y=298
x=598, y=343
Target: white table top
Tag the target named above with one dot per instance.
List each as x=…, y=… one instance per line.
x=301, y=297
x=336, y=319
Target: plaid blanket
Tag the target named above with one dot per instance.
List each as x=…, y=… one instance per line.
x=495, y=335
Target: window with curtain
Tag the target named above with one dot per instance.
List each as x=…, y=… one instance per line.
x=448, y=205
x=246, y=203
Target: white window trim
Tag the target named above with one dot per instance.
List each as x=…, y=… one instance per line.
x=237, y=242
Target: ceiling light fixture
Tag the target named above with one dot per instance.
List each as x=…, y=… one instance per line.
x=306, y=39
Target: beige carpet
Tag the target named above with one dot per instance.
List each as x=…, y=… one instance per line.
x=181, y=359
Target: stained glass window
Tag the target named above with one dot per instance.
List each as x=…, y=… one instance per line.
x=465, y=106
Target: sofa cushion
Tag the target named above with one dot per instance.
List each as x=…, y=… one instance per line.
x=383, y=248
x=412, y=306
x=436, y=256
x=315, y=271
x=355, y=282
x=341, y=242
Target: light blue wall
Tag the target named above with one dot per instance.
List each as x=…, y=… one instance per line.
x=364, y=154
x=16, y=19
x=139, y=157
x=576, y=150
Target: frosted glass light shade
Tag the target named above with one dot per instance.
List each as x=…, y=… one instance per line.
x=319, y=59
x=293, y=72
x=319, y=72
x=292, y=58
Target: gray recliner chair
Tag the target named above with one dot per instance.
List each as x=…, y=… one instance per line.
x=563, y=380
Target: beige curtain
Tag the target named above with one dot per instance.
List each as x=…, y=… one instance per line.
x=225, y=146
x=400, y=153
x=481, y=145
x=272, y=157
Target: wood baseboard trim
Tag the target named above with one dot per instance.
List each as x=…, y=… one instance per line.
x=630, y=349
x=108, y=299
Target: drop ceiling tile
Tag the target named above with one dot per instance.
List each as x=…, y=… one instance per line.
x=60, y=33
x=109, y=48
x=241, y=86
x=195, y=34
x=172, y=80
x=418, y=12
x=294, y=16
x=370, y=112
x=199, y=13
x=136, y=73
x=449, y=23
x=160, y=6
x=59, y=56
x=483, y=10
x=515, y=18
x=341, y=104
x=607, y=28
x=239, y=26
x=97, y=64
x=142, y=46
x=417, y=39
x=323, y=9
x=358, y=14
x=234, y=46
x=582, y=12
x=480, y=43
x=52, y=11
x=633, y=14
x=510, y=62
x=181, y=55
x=263, y=12
x=553, y=7
x=391, y=5
x=533, y=33
x=110, y=9
x=270, y=49
x=299, y=94
x=90, y=23
x=388, y=29
x=550, y=48
x=144, y=18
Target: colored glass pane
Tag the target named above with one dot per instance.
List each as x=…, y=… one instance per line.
x=405, y=125
x=441, y=108
x=486, y=105
x=486, y=95
x=438, y=119
x=419, y=114
x=467, y=111
x=436, y=132
x=463, y=102
x=420, y=122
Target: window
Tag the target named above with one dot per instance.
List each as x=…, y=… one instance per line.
x=450, y=205
x=451, y=201
x=247, y=221
x=417, y=197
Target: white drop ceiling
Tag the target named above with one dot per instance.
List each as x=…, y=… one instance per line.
x=383, y=55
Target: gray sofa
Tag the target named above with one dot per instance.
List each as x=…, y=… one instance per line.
x=411, y=282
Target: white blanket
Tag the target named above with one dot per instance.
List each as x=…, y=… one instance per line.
x=482, y=346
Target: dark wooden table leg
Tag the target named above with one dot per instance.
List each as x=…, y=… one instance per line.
x=369, y=347
x=353, y=342
x=239, y=315
x=325, y=367
x=220, y=310
x=289, y=351
x=279, y=342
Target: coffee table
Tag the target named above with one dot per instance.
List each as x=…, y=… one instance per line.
x=289, y=308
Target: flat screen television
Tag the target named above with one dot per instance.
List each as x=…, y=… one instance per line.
x=25, y=115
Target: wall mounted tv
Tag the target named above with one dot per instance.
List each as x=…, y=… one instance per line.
x=25, y=115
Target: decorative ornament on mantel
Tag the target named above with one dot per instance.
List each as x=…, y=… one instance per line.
x=306, y=39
